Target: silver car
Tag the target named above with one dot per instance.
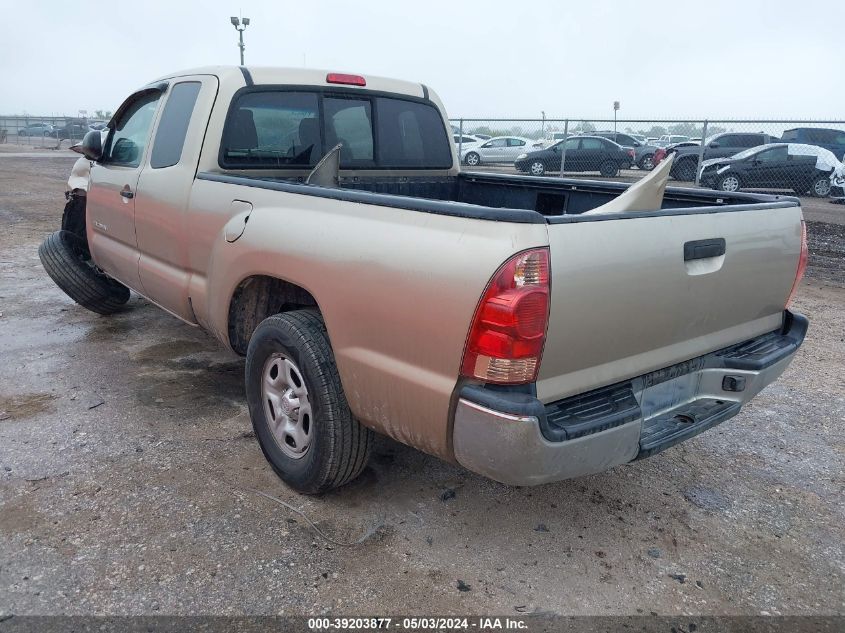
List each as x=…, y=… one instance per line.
x=499, y=149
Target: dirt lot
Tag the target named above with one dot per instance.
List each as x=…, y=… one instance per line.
x=127, y=467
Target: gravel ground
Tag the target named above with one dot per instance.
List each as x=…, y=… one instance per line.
x=128, y=471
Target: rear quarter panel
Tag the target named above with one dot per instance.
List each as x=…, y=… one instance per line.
x=397, y=289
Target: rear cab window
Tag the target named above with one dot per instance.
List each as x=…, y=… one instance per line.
x=279, y=128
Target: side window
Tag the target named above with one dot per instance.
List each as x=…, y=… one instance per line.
x=498, y=142
x=839, y=138
x=727, y=140
x=350, y=122
x=126, y=143
x=272, y=129
x=173, y=127
x=750, y=140
x=818, y=136
x=774, y=154
x=591, y=143
x=515, y=142
x=571, y=143
x=411, y=134
x=790, y=135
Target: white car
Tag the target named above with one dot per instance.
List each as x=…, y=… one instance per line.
x=499, y=149
x=467, y=140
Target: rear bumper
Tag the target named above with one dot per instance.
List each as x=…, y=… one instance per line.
x=515, y=439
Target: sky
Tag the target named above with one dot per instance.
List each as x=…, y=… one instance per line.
x=660, y=59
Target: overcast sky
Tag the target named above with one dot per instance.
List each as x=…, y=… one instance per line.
x=514, y=58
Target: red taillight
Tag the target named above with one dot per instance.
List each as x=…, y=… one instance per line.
x=508, y=331
x=349, y=80
x=659, y=155
x=802, y=264
x=631, y=153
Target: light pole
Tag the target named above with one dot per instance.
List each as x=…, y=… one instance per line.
x=240, y=25
x=615, y=110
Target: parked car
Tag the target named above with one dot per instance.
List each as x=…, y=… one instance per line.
x=583, y=153
x=717, y=146
x=643, y=152
x=36, y=129
x=482, y=318
x=802, y=168
x=830, y=139
x=499, y=149
x=670, y=139
x=71, y=130
x=467, y=140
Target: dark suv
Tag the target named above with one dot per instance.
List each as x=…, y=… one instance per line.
x=718, y=146
x=834, y=140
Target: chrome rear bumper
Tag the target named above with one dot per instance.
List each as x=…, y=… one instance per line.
x=515, y=439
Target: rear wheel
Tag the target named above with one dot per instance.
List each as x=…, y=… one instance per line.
x=298, y=409
x=537, y=168
x=609, y=169
x=820, y=187
x=472, y=159
x=646, y=162
x=729, y=182
x=66, y=259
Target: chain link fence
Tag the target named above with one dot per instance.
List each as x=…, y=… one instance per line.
x=781, y=156
x=43, y=132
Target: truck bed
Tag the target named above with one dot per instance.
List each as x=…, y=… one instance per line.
x=509, y=198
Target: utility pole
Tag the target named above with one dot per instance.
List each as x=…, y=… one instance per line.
x=240, y=25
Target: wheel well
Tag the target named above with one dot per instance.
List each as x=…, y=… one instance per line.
x=257, y=298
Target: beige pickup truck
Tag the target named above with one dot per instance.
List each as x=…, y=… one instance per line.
x=487, y=319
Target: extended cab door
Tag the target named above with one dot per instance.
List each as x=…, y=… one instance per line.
x=164, y=191
x=111, y=195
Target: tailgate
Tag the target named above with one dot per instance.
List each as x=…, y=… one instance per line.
x=625, y=301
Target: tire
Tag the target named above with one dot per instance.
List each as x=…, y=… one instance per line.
x=66, y=260
x=318, y=448
x=472, y=159
x=537, y=168
x=609, y=169
x=820, y=187
x=646, y=163
x=729, y=182
x=685, y=170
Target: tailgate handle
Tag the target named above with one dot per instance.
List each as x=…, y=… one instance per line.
x=702, y=249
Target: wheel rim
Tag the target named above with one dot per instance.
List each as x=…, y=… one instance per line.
x=537, y=168
x=286, y=405
x=472, y=159
x=648, y=163
x=822, y=187
x=730, y=183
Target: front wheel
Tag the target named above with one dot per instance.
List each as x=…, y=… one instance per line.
x=820, y=187
x=609, y=169
x=298, y=409
x=729, y=182
x=472, y=159
x=67, y=261
x=537, y=168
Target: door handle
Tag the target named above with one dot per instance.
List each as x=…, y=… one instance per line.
x=702, y=249
x=126, y=192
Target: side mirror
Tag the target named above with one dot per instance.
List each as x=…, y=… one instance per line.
x=92, y=145
x=714, y=144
